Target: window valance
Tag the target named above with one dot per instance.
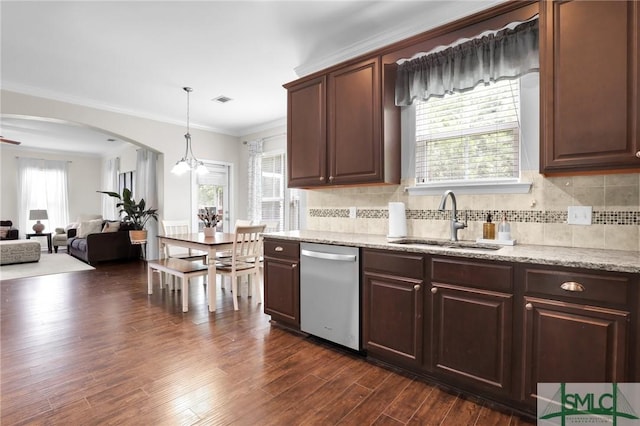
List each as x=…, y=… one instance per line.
x=508, y=53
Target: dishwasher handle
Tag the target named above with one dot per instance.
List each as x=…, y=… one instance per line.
x=328, y=256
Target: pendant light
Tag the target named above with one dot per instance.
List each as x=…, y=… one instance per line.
x=189, y=161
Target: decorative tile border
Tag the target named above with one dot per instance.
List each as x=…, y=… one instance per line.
x=517, y=216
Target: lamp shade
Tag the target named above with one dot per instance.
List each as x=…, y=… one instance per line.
x=38, y=215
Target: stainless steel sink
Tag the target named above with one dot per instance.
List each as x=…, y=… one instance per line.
x=445, y=243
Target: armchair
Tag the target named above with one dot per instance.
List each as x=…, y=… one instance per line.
x=12, y=233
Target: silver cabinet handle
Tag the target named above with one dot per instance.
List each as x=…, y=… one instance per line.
x=638, y=154
x=572, y=286
x=416, y=287
x=321, y=178
x=434, y=290
x=278, y=249
x=528, y=306
x=330, y=178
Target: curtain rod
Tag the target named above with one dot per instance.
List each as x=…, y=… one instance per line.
x=43, y=159
x=267, y=137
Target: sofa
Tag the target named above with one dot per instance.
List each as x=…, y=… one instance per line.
x=11, y=232
x=102, y=246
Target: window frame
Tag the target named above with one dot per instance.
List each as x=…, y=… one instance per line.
x=484, y=186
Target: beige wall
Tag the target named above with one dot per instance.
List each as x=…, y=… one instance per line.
x=167, y=139
x=84, y=179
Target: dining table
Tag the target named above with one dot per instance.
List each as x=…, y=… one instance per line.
x=209, y=244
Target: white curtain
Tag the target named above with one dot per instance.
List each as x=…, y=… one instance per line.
x=254, y=207
x=43, y=185
x=508, y=53
x=110, y=183
x=147, y=188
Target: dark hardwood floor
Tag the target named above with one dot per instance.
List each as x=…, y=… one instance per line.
x=92, y=347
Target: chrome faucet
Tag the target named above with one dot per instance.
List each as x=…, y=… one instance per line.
x=455, y=225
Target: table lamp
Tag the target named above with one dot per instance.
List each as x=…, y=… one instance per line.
x=38, y=215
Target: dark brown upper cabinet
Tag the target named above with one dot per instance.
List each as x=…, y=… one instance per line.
x=589, y=76
x=336, y=125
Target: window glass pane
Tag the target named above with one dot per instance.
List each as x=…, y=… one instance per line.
x=470, y=136
x=211, y=191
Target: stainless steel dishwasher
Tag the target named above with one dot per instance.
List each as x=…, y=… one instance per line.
x=330, y=293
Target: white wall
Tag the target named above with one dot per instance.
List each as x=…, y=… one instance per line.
x=84, y=180
x=167, y=139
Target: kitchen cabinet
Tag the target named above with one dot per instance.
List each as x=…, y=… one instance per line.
x=589, y=76
x=340, y=131
x=576, y=328
x=306, y=133
x=282, y=281
x=472, y=323
x=393, y=293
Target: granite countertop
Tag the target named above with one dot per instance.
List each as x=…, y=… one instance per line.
x=597, y=259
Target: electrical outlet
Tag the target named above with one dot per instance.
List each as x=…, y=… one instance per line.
x=352, y=212
x=579, y=215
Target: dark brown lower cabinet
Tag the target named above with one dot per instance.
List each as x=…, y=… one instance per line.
x=282, y=282
x=567, y=342
x=393, y=294
x=472, y=336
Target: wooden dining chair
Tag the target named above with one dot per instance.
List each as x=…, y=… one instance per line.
x=174, y=227
x=247, y=248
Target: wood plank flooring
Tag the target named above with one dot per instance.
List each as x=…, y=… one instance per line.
x=91, y=347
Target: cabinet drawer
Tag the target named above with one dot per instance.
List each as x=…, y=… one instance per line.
x=592, y=287
x=282, y=249
x=472, y=274
x=399, y=264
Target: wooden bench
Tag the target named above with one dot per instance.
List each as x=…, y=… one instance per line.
x=181, y=268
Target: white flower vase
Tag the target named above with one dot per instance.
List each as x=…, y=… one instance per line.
x=209, y=232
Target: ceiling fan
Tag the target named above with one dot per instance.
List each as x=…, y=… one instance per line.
x=5, y=140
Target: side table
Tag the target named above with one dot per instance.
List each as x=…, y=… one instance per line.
x=42, y=234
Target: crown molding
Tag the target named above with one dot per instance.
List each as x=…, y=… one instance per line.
x=89, y=103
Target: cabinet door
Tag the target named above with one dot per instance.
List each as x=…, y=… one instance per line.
x=306, y=133
x=472, y=336
x=589, y=113
x=355, y=143
x=393, y=318
x=565, y=342
x=282, y=290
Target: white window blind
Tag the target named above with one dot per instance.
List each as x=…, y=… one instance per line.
x=470, y=136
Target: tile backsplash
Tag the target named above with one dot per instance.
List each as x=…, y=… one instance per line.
x=539, y=217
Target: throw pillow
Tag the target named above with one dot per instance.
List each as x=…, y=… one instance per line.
x=89, y=227
x=111, y=227
x=4, y=230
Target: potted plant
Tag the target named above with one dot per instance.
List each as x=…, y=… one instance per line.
x=136, y=214
x=210, y=218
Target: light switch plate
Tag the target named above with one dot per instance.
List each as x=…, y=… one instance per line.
x=579, y=215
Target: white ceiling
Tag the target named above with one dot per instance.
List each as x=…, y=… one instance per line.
x=134, y=57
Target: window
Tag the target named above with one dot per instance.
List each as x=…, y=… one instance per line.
x=280, y=206
x=468, y=137
x=212, y=190
x=273, y=189
x=42, y=185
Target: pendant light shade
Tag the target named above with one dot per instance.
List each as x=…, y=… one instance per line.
x=189, y=161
